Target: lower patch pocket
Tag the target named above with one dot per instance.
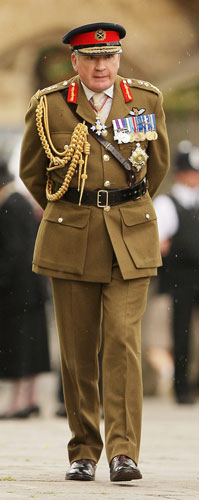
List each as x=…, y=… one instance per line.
x=140, y=234
x=61, y=242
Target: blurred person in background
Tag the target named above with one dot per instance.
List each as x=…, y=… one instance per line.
x=24, y=351
x=178, y=223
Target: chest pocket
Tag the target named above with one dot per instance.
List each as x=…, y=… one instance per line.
x=61, y=139
x=61, y=242
x=140, y=233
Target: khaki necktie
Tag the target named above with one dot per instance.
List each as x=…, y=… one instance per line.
x=98, y=100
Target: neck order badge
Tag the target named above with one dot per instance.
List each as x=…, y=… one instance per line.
x=99, y=102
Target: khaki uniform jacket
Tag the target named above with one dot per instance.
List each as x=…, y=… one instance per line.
x=77, y=242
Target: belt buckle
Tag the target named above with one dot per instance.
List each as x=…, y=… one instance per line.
x=99, y=193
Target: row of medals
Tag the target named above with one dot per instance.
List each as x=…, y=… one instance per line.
x=135, y=129
x=125, y=136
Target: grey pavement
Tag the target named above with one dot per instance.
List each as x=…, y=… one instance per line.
x=33, y=458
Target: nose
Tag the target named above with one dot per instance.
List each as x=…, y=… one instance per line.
x=100, y=64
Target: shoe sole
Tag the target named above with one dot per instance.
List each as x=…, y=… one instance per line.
x=78, y=477
x=126, y=475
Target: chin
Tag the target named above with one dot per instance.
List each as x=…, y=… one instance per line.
x=100, y=86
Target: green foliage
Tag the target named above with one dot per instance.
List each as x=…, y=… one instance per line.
x=8, y=478
x=183, y=100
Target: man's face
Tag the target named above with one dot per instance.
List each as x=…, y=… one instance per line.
x=188, y=177
x=98, y=73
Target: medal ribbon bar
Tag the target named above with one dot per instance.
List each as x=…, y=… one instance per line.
x=135, y=128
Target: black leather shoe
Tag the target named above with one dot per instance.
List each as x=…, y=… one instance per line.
x=185, y=399
x=82, y=470
x=123, y=468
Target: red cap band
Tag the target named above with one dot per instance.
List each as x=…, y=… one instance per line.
x=92, y=38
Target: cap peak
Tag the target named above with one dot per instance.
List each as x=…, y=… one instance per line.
x=96, y=38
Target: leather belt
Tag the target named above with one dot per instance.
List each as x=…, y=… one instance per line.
x=103, y=198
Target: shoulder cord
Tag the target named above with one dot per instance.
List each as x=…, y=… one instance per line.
x=72, y=153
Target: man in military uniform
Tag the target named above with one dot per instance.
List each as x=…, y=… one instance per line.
x=98, y=237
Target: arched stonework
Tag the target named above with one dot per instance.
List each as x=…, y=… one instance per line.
x=161, y=43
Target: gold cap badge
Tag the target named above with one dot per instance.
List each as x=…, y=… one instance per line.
x=100, y=35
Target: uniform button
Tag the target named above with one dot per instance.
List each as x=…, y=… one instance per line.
x=107, y=208
x=104, y=133
x=147, y=216
x=107, y=183
x=106, y=157
x=60, y=220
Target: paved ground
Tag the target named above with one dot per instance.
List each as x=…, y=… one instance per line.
x=33, y=458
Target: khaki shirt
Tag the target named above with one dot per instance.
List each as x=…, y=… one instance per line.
x=77, y=242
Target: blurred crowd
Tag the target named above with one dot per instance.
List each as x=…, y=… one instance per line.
x=173, y=306
x=24, y=350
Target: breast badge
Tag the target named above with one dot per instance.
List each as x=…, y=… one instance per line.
x=137, y=112
x=138, y=158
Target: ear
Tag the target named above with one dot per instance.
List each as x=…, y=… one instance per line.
x=74, y=60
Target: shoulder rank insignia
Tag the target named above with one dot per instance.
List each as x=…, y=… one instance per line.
x=148, y=85
x=50, y=89
x=72, y=92
x=126, y=91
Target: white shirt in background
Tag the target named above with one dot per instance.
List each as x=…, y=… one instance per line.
x=167, y=217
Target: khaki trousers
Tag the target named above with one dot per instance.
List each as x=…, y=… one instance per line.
x=84, y=311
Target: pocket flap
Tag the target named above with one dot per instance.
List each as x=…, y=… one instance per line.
x=138, y=214
x=75, y=217
x=60, y=139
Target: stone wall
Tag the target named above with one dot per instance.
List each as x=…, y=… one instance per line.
x=161, y=38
